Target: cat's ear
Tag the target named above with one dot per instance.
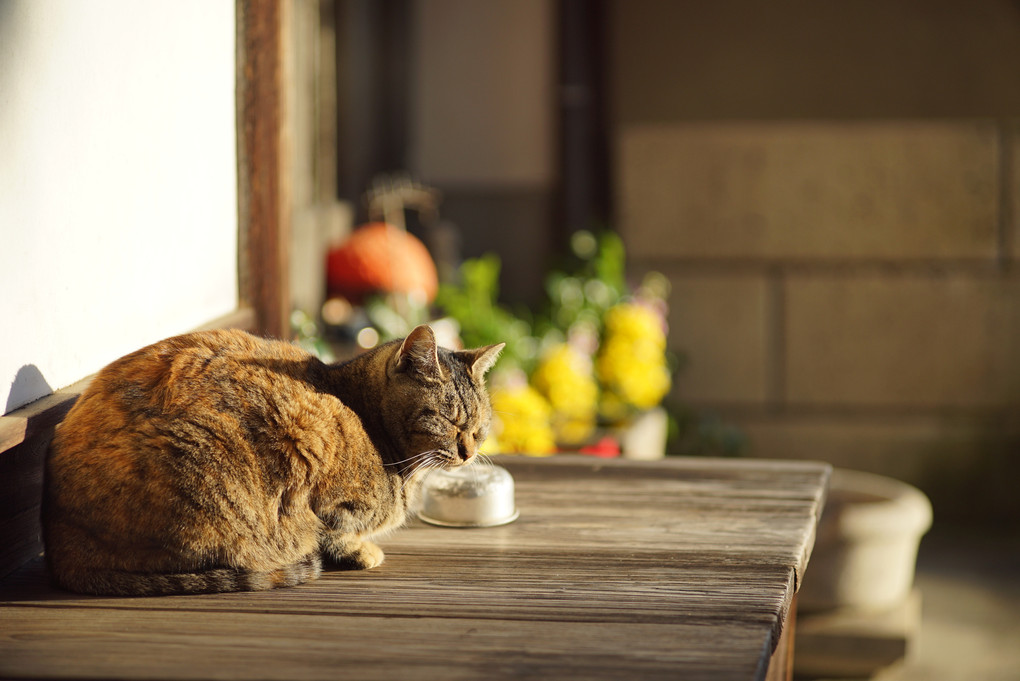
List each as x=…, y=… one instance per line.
x=418, y=353
x=480, y=360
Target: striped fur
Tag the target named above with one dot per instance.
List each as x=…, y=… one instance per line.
x=218, y=461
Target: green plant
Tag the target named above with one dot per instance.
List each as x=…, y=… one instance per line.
x=473, y=303
x=595, y=354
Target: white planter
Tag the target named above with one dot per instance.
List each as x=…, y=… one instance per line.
x=866, y=548
x=645, y=437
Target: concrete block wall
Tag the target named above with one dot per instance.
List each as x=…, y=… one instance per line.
x=845, y=287
x=843, y=290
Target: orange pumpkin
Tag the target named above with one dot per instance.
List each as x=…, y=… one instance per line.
x=379, y=257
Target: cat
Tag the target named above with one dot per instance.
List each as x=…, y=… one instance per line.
x=220, y=461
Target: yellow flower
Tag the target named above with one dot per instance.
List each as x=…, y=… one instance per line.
x=632, y=360
x=520, y=422
x=565, y=378
x=635, y=323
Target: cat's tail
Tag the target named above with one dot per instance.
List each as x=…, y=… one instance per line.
x=118, y=583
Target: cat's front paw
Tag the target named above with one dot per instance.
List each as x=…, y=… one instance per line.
x=369, y=556
x=354, y=555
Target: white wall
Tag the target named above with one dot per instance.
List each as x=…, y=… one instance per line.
x=118, y=206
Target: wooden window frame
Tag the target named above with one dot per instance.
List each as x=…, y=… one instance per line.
x=262, y=158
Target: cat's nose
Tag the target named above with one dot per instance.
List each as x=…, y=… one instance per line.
x=465, y=448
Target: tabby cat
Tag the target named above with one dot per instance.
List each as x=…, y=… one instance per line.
x=219, y=461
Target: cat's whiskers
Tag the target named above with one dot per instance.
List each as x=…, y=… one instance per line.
x=425, y=467
x=474, y=474
x=424, y=462
x=484, y=459
x=410, y=458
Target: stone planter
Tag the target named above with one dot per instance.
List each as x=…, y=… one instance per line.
x=867, y=543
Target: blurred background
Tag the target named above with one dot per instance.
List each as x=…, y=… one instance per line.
x=830, y=189
x=781, y=230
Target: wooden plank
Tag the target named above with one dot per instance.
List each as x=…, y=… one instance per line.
x=680, y=569
x=142, y=644
x=518, y=587
x=727, y=497
x=21, y=483
x=781, y=663
x=21, y=476
x=262, y=180
x=20, y=539
x=25, y=435
x=38, y=417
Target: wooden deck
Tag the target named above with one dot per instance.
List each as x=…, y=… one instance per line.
x=684, y=568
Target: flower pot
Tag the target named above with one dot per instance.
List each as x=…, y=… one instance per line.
x=866, y=548
x=644, y=438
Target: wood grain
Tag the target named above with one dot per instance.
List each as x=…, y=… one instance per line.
x=25, y=435
x=39, y=417
x=678, y=569
x=263, y=206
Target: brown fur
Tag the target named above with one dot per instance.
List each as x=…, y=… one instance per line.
x=219, y=461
